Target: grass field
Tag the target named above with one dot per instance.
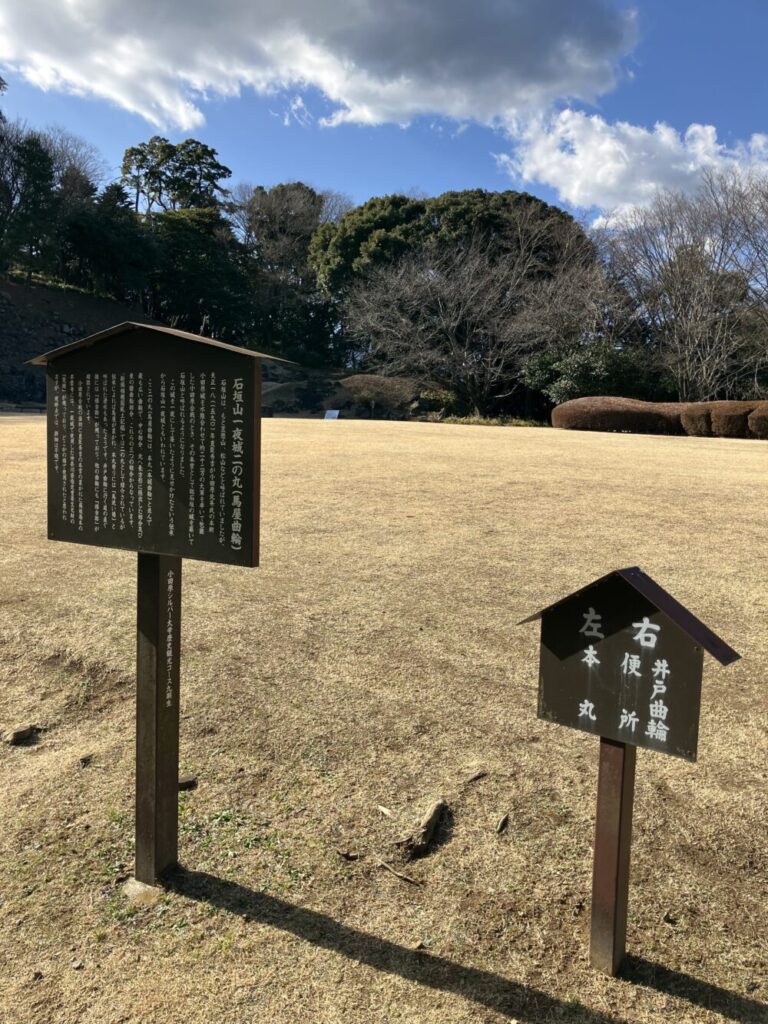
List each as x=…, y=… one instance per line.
x=374, y=661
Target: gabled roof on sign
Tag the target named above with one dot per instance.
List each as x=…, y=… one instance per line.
x=129, y=325
x=667, y=604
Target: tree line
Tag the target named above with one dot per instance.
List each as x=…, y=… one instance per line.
x=497, y=301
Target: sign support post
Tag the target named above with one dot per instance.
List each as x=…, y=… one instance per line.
x=154, y=439
x=157, y=714
x=613, y=841
x=622, y=660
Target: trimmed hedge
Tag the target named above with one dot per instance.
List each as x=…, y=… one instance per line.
x=729, y=419
x=697, y=419
x=628, y=415
x=758, y=421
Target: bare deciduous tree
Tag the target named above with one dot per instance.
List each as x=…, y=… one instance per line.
x=335, y=205
x=276, y=224
x=464, y=318
x=697, y=268
x=73, y=156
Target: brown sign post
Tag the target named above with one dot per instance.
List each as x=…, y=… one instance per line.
x=154, y=447
x=622, y=659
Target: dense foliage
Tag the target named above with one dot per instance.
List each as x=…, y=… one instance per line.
x=498, y=301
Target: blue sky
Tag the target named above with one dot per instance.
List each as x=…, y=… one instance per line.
x=423, y=95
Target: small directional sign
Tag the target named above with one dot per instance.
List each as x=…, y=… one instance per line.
x=622, y=659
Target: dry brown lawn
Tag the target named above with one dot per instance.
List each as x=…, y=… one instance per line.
x=374, y=661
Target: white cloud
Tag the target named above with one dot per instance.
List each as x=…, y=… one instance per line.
x=593, y=163
x=376, y=60
x=297, y=112
x=505, y=63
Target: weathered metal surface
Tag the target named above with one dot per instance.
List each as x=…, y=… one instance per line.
x=153, y=445
x=613, y=840
x=613, y=664
x=157, y=715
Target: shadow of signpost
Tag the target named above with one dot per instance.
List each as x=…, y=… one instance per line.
x=701, y=993
x=493, y=991
x=509, y=998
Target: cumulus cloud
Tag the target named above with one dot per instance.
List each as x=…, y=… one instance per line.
x=376, y=60
x=614, y=166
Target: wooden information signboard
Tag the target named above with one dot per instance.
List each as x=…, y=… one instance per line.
x=623, y=660
x=154, y=446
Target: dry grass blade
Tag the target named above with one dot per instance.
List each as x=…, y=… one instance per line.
x=373, y=655
x=398, y=874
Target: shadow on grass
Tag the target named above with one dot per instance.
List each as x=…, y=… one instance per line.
x=701, y=993
x=443, y=835
x=505, y=997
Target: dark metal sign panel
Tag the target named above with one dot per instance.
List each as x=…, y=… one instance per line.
x=153, y=446
x=614, y=665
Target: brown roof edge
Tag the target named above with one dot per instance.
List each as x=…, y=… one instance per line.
x=130, y=325
x=664, y=601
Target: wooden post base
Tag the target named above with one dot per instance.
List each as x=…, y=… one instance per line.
x=157, y=715
x=613, y=840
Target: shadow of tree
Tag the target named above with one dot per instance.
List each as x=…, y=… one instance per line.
x=509, y=998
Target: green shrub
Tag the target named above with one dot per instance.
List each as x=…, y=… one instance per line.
x=487, y=421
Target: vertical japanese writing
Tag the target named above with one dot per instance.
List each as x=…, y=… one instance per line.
x=202, y=413
x=56, y=431
x=122, y=452
x=169, y=638
x=80, y=466
x=657, y=728
x=140, y=451
x=96, y=452
x=172, y=428
x=212, y=403
x=236, y=532
x=162, y=441
x=64, y=463
x=116, y=434
x=192, y=459
x=592, y=629
x=223, y=397
x=182, y=425
x=149, y=443
x=105, y=451
x=131, y=449
x=113, y=440
x=72, y=450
